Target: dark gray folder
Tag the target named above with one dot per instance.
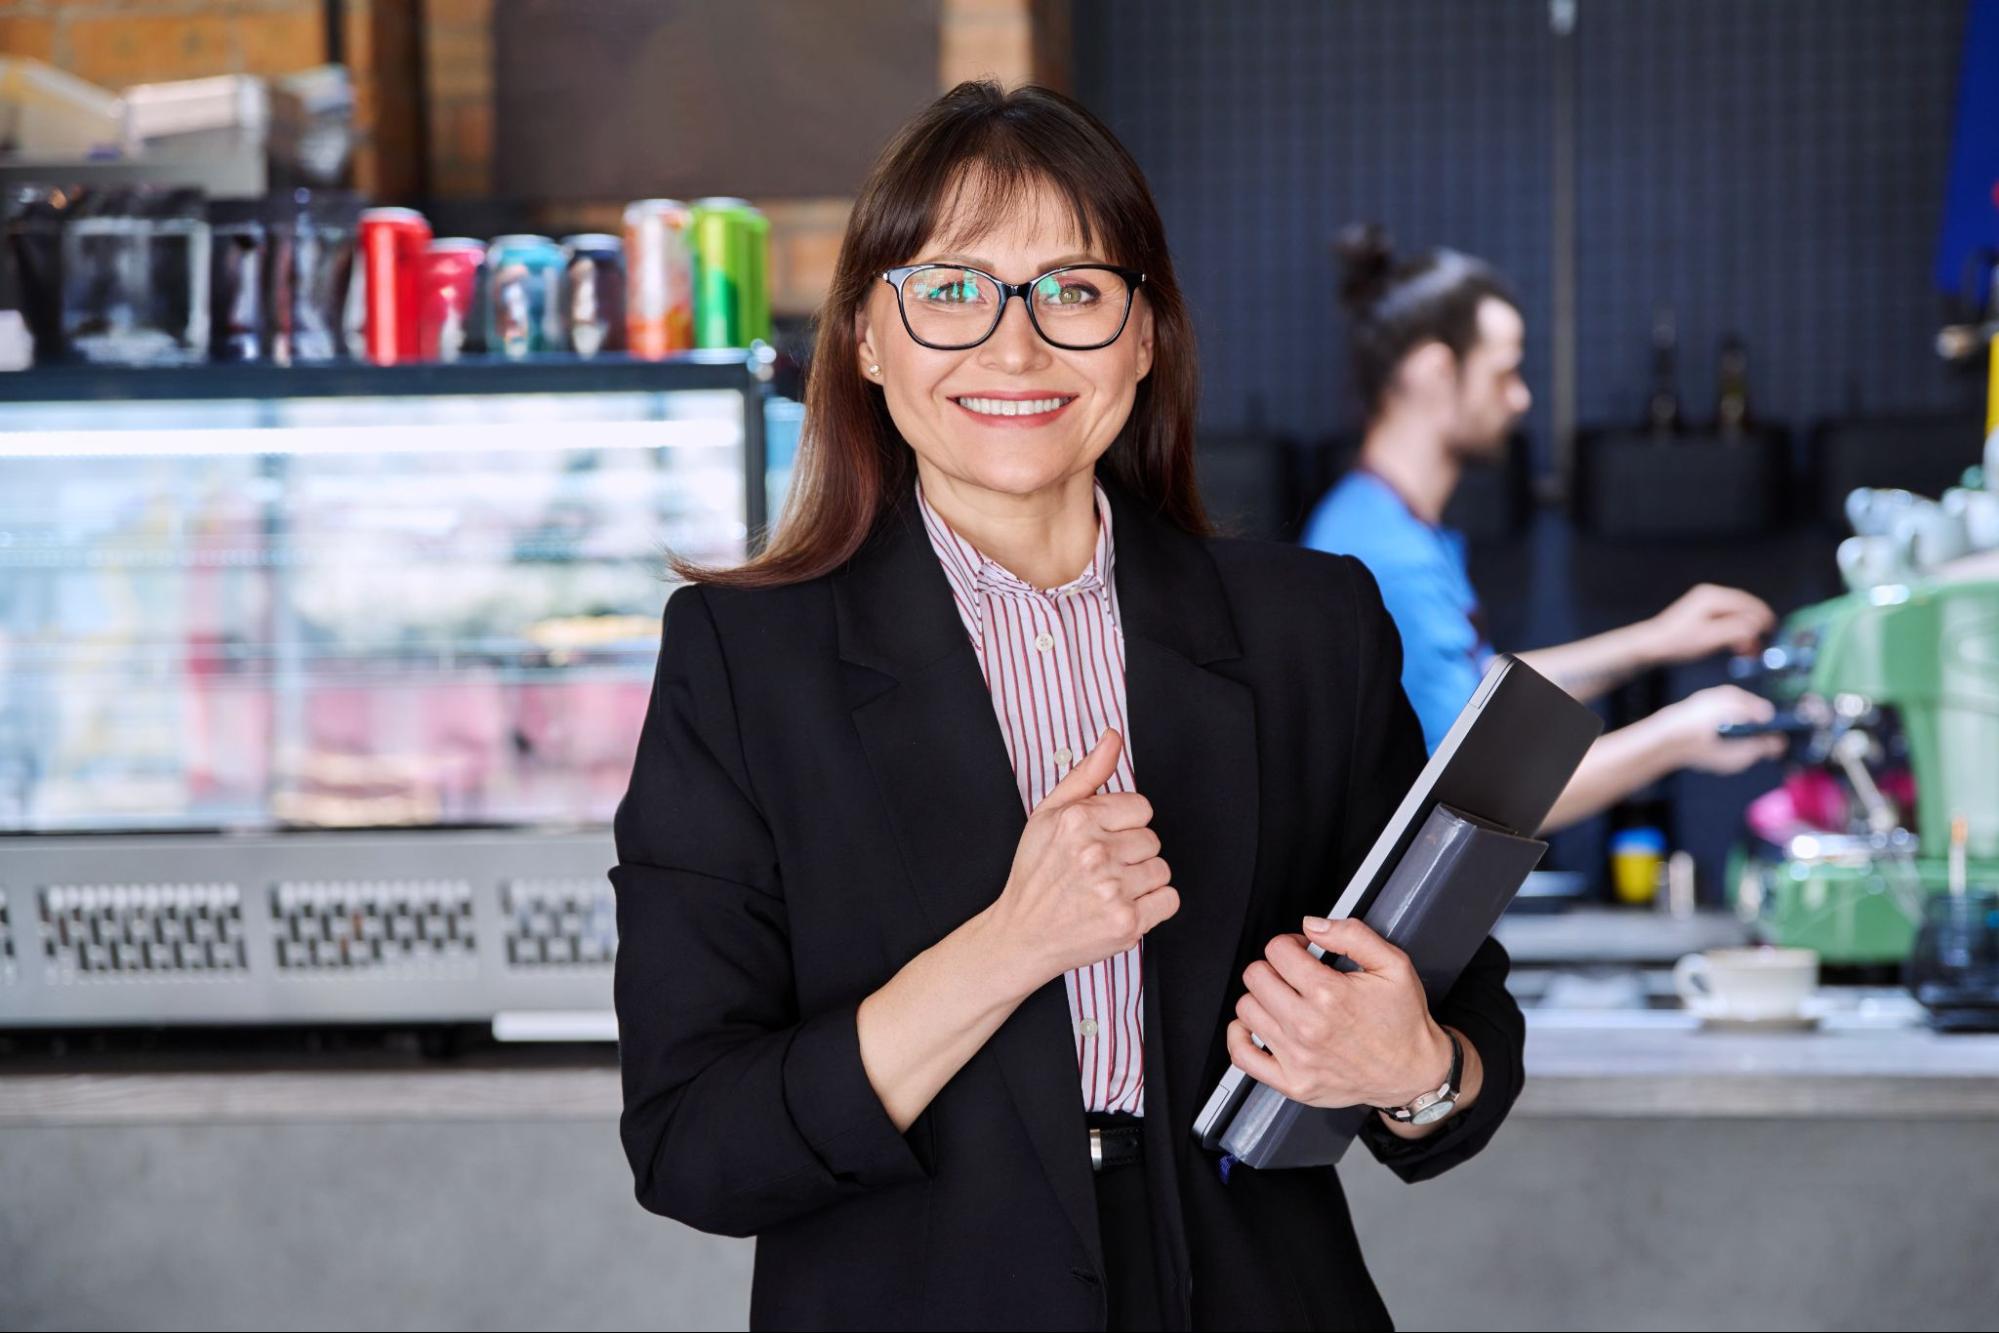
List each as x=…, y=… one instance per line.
x=1439, y=905
x=1501, y=766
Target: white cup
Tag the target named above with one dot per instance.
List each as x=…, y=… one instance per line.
x=1979, y=511
x=1751, y=984
x=1869, y=562
x=1930, y=535
x=1873, y=512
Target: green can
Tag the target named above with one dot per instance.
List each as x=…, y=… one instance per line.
x=756, y=285
x=719, y=238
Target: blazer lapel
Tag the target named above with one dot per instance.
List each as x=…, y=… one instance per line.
x=1193, y=748
x=926, y=721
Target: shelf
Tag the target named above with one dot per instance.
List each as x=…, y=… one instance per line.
x=606, y=373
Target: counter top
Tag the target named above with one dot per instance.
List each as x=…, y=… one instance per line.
x=1612, y=935
x=1867, y=1061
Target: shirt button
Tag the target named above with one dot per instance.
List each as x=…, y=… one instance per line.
x=1089, y=1027
x=1064, y=755
x=1044, y=641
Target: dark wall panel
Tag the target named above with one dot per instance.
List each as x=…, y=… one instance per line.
x=1773, y=168
x=1265, y=124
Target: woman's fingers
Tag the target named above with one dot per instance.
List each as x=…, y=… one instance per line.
x=1155, y=907
x=1134, y=846
x=1289, y=1009
x=1118, y=810
x=1245, y=1055
x=1304, y=973
x=1357, y=941
x=1260, y=1020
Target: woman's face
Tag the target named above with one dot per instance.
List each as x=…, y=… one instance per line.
x=946, y=404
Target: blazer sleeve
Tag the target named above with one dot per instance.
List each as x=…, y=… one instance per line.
x=1388, y=754
x=740, y=1112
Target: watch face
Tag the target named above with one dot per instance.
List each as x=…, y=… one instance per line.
x=1432, y=1113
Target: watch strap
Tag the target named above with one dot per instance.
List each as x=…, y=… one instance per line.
x=1448, y=1092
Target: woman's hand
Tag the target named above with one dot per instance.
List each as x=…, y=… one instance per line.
x=1087, y=882
x=1335, y=1038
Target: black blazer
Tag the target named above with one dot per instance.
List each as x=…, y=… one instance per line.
x=821, y=792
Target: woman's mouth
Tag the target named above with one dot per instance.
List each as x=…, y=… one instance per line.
x=1014, y=411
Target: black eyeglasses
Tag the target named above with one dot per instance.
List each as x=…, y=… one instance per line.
x=949, y=307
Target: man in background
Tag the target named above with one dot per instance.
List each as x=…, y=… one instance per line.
x=1437, y=346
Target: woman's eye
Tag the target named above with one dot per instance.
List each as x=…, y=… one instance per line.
x=958, y=291
x=1070, y=293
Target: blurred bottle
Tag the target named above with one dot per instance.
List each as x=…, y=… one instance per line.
x=1662, y=411
x=1731, y=413
x=1637, y=859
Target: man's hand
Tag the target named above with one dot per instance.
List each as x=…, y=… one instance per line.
x=1707, y=619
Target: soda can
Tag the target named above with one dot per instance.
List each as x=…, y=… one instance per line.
x=659, y=290
x=310, y=275
x=721, y=264
x=392, y=247
x=756, y=277
x=595, y=292
x=524, y=312
x=449, y=288
x=239, y=253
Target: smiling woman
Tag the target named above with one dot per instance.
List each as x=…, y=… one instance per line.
x=923, y=260
x=906, y=985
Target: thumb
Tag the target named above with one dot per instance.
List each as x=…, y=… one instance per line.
x=1092, y=771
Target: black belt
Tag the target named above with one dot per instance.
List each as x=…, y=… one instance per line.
x=1116, y=1143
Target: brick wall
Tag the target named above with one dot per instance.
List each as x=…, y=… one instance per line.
x=439, y=140
x=458, y=79
x=119, y=42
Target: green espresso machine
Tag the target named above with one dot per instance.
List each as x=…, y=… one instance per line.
x=1891, y=697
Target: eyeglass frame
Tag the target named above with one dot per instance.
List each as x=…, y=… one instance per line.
x=896, y=277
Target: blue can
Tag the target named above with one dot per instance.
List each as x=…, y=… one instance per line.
x=524, y=306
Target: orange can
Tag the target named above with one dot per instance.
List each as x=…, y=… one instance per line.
x=659, y=279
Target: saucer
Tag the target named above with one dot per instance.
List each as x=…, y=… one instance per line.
x=1719, y=1020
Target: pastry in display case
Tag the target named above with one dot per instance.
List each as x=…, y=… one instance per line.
x=336, y=674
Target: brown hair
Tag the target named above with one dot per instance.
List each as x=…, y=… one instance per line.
x=853, y=468
x=1397, y=306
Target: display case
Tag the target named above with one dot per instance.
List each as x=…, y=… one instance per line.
x=335, y=674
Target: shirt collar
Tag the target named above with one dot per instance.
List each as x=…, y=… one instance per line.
x=970, y=569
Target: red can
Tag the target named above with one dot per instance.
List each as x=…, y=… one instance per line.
x=392, y=246
x=447, y=296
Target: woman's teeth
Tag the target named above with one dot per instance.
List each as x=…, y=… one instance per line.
x=1009, y=407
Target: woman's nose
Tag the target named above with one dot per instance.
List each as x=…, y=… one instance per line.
x=1014, y=346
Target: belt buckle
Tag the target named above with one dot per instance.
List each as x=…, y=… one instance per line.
x=1096, y=1149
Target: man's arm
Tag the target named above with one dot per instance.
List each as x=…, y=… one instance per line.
x=1706, y=619
x=1599, y=664
x=1681, y=735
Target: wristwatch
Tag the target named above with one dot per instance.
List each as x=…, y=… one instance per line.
x=1430, y=1107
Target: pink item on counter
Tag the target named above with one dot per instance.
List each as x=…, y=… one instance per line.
x=1818, y=799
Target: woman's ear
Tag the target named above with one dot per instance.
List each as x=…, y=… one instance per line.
x=864, y=347
x=1145, y=333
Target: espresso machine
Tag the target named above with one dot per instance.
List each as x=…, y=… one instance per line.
x=1890, y=697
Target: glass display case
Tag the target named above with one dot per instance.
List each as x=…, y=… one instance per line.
x=300, y=636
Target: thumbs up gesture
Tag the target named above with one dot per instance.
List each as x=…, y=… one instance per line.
x=1087, y=880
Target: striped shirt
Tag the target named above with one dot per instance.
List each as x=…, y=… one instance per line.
x=1054, y=663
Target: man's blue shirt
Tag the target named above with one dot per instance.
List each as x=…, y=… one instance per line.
x=1425, y=584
